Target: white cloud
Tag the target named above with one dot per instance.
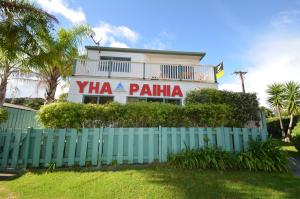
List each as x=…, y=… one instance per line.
x=115, y=36
x=273, y=56
x=61, y=7
x=161, y=41
x=156, y=43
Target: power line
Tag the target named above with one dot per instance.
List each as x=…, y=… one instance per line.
x=241, y=74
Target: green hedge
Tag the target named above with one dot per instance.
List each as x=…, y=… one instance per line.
x=142, y=114
x=244, y=106
x=274, y=125
x=296, y=136
x=3, y=115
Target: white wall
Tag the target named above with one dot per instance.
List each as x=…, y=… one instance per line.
x=121, y=97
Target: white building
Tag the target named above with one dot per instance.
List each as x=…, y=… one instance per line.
x=128, y=75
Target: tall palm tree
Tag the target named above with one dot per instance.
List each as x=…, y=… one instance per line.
x=275, y=99
x=22, y=27
x=292, y=95
x=56, y=62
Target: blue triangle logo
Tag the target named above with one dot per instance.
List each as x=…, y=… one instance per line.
x=120, y=87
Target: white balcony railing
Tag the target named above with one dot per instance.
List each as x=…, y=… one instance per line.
x=139, y=70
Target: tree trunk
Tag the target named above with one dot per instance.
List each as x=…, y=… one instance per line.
x=281, y=125
x=3, y=85
x=50, y=90
x=289, y=132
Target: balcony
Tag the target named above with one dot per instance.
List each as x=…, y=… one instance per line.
x=148, y=71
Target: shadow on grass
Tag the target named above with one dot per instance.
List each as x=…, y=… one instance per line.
x=187, y=184
x=229, y=184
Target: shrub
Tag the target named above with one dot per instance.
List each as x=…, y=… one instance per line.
x=261, y=156
x=142, y=114
x=244, y=106
x=296, y=136
x=3, y=115
x=208, y=115
x=273, y=125
x=61, y=115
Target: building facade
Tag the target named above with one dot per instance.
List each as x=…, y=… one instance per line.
x=128, y=75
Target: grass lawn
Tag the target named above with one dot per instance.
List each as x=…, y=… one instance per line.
x=154, y=182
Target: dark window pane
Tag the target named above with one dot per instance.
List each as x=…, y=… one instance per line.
x=155, y=100
x=105, y=99
x=173, y=101
x=135, y=99
x=90, y=99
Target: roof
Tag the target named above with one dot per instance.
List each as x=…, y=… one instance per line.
x=17, y=107
x=150, y=51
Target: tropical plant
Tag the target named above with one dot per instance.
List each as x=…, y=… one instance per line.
x=22, y=27
x=56, y=61
x=275, y=99
x=261, y=156
x=292, y=95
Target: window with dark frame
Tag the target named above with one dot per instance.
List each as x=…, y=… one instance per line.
x=150, y=99
x=90, y=99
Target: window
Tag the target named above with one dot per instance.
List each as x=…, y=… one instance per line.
x=91, y=99
x=152, y=99
x=173, y=101
x=155, y=99
x=115, y=64
x=105, y=99
x=135, y=99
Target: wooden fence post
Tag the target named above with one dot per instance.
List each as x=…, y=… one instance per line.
x=26, y=152
x=160, y=143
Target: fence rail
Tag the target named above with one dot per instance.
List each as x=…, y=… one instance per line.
x=95, y=146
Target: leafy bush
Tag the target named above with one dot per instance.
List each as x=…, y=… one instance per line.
x=261, y=156
x=296, y=136
x=244, y=106
x=208, y=115
x=3, y=115
x=142, y=114
x=61, y=115
x=273, y=125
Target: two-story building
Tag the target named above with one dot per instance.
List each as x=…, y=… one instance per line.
x=128, y=75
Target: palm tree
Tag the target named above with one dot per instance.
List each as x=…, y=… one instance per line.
x=56, y=62
x=292, y=95
x=275, y=99
x=22, y=27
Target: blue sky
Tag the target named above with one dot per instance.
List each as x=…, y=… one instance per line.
x=262, y=37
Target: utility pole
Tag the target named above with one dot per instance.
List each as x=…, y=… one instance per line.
x=241, y=74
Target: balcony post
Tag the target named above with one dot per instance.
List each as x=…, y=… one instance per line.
x=215, y=74
x=109, y=69
x=144, y=71
x=180, y=72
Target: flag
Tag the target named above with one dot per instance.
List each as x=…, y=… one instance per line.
x=219, y=70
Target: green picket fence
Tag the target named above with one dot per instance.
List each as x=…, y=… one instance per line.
x=95, y=146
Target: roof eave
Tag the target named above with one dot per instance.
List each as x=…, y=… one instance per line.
x=149, y=51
